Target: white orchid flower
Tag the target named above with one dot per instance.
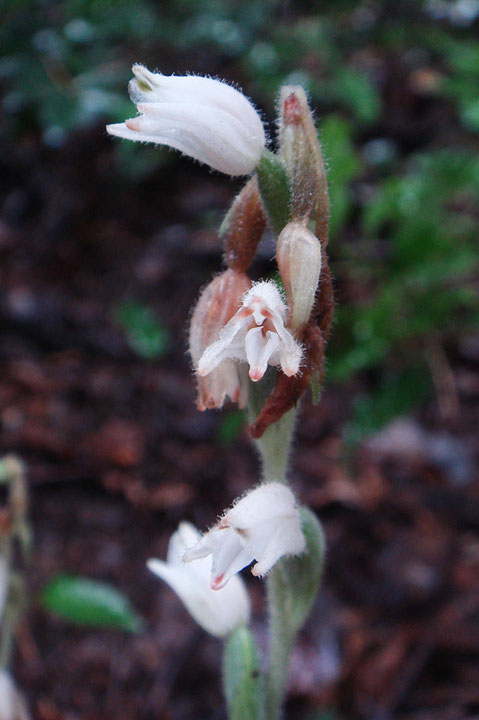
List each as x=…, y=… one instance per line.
x=204, y=118
x=216, y=612
x=257, y=335
x=264, y=525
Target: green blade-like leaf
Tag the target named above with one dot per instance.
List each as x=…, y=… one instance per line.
x=242, y=677
x=90, y=603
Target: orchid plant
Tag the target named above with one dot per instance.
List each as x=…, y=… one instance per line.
x=259, y=345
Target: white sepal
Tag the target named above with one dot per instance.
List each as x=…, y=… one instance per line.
x=264, y=525
x=204, y=118
x=217, y=612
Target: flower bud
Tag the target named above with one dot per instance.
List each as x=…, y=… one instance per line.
x=298, y=253
x=218, y=303
x=301, y=153
x=206, y=119
x=243, y=227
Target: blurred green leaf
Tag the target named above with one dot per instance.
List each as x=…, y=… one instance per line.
x=230, y=428
x=357, y=92
x=91, y=603
x=145, y=334
x=394, y=396
x=343, y=166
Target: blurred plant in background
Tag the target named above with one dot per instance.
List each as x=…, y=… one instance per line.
x=405, y=181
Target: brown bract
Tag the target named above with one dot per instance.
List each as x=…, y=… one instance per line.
x=243, y=227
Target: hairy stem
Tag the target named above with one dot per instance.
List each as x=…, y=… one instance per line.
x=274, y=446
x=282, y=636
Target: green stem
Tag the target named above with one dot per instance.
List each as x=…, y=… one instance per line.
x=274, y=446
x=282, y=636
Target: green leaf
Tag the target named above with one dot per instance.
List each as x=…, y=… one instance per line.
x=90, y=603
x=230, y=427
x=242, y=678
x=145, y=334
x=394, y=396
x=356, y=90
x=296, y=579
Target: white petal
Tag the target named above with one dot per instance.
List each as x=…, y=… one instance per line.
x=230, y=344
x=226, y=381
x=12, y=702
x=262, y=504
x=7, y=696
x=287, y=539
x=229, y=557
x=216, y=611
x=186, y=536
x=259, y=351
x=204, y=132
x=269, y=295
x=194, y=89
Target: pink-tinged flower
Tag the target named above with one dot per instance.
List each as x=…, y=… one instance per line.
x=218, y=302
x=264, y=526
x=216, y=612
x=257, y=335
x=204, y=118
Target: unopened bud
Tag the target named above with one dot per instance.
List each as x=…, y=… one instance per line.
x=242, y=227
x=218, y=302
x=301, y=153
x=298, y=253
x=204, y=118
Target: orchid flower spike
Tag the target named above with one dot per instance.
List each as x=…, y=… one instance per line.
x=256, y=334
x=204, y=118
x=216, y=612
x=264, y=525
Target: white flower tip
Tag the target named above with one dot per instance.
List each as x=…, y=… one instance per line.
x=113, y=129
x=218, y=582
x=155, y=566
x=134, y=124
x=256, y=572
x=256, y=373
